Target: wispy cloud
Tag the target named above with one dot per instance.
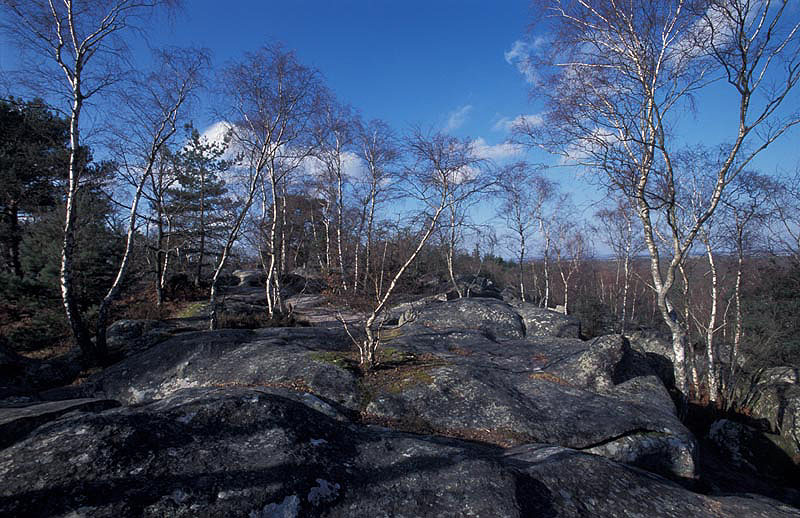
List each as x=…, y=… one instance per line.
x=497, y=152
x=457, y=118
x=520, y=56
x=506, y=124
x=353, y=167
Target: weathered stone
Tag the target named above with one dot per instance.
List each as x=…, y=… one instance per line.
x=545, y=322
x=250, y=278
x=577, y=484
x=274, y=357
x=17, y=422
x=127, y=337
x=492, y=317
x=657, y=351
x=594, y=366
x=554, y=390
x=475, y=286
x=245, y=452
x=242, y=452
x=21, y=378
x=757, y=451
x=778, y=402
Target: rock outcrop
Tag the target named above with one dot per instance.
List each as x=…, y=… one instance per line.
x=472, y=412
x=246, y=452
x=775, y=397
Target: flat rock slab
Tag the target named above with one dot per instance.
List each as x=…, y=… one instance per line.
x=16, y=423
x=495, y=318
x=577, y=485
x=516, y=408
x=245, y=452
x=544, y=322
x=589, y=395
x=294, y=358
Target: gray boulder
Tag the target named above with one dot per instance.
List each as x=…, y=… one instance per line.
x=246, y=452
x=127, y=337
x=457, y=382
x=492, y=317
x=243, y=452
x=579, y=485
x=658, y=353
x=17, y=422
x=775, y=397
x=545, y=322
x=550, y=390
x=752, y=450
x=22, y=378
x=296, y=358
x=476, y=286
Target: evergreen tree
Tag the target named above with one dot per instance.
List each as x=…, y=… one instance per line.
x=199, y=200
x=33, y=162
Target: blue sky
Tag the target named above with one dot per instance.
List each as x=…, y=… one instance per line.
x=442, y=64
x=406, y=62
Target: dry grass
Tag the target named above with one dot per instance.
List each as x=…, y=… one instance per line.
x=503, y=438
x=552, y=378
x=48, y=353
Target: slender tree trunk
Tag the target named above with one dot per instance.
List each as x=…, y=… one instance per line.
x=357, y=250
x=282, y=244
x=233, y=235
x=565, y=280
x=522, y=266
x=161, y=252
x=326, y=222
x=79, y=332
x=711, y=372
x=370, y=222
x=273, y=283
x=626, y=286
x=316, y=241
x=201, y=252
x=738, y=331
x=691, y=362
x=105, y=305
x=547, y=272
x=369, y=346
x=339, y=223
x=167, y=254
x=12, y=216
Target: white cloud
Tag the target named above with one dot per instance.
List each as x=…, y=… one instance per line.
x=496, y=152
x=520, y=57
x=585, y=150
x=353, y=166
x=457, y=118
x=506, y=124
x=216, y=134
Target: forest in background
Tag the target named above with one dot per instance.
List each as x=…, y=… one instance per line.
x=705, y=250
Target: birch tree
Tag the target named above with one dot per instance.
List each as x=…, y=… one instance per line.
x=437, y=163
x=523, y=193
x=571, y=249
x=379, y=150
x=623, y=237
x=747, y=210
x=273, y=99
x=334, y=136
x=155, y=110
x=82, y=45
x=617, y=77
